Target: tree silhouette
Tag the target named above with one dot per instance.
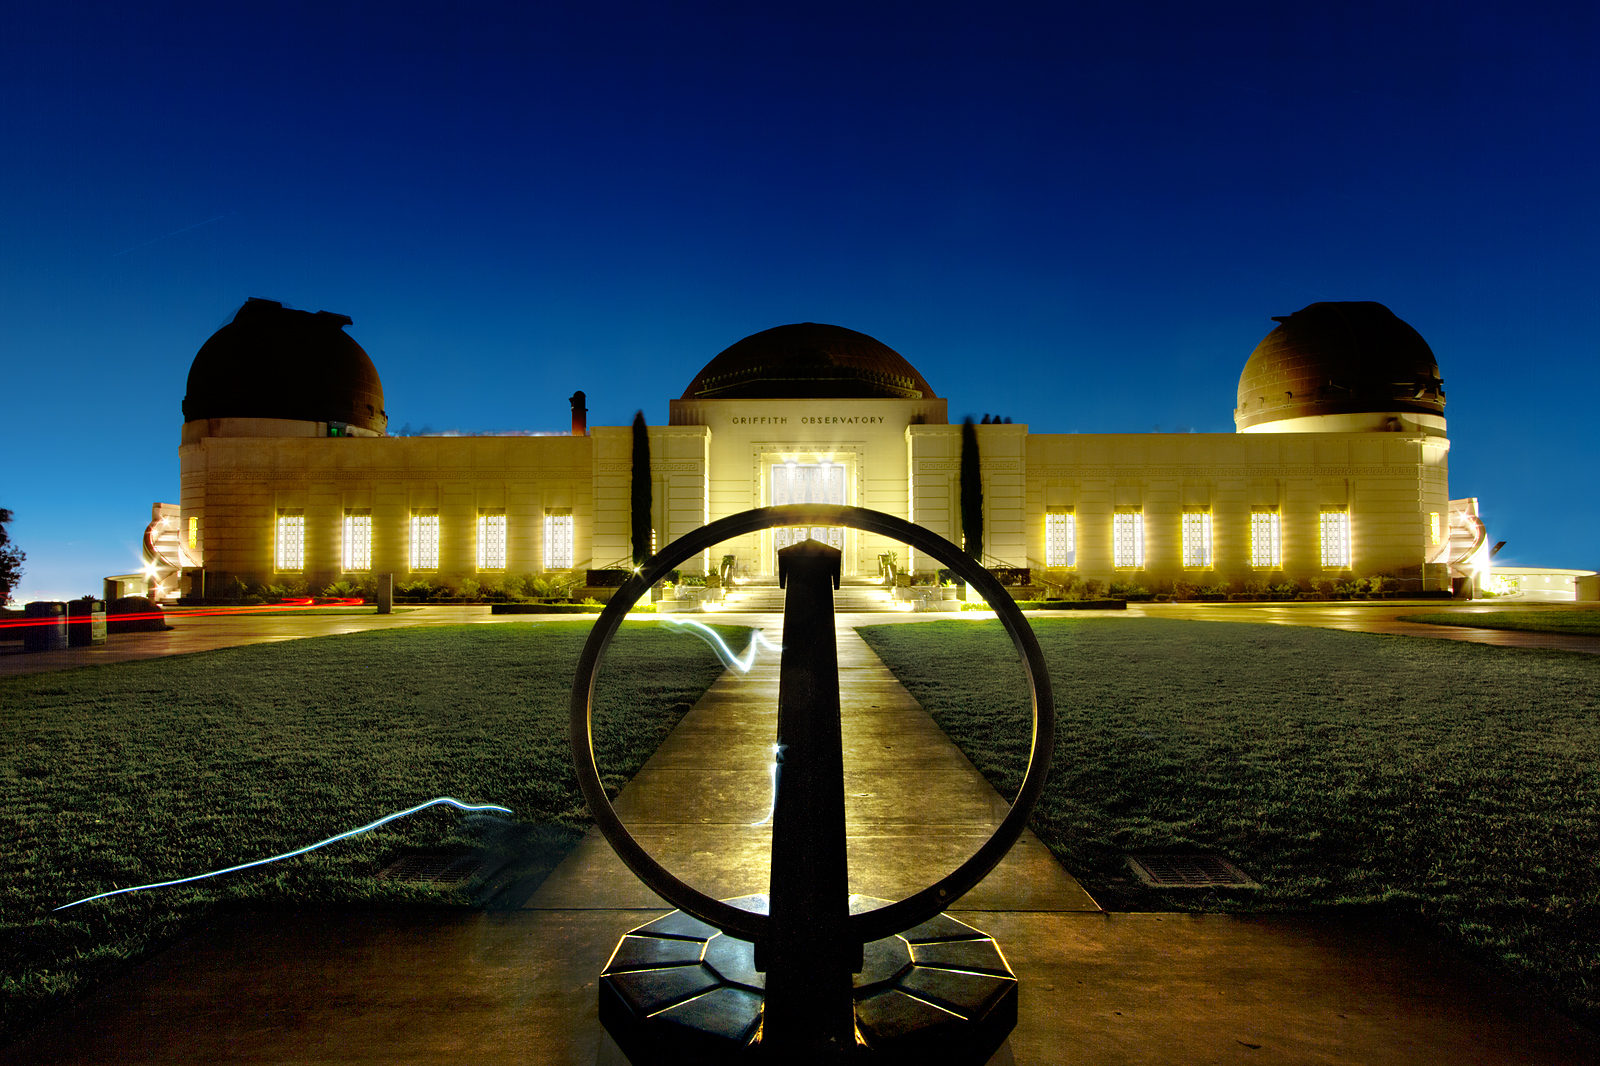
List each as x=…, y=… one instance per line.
x=641, y=490
x=10, y=560
x=971, y=492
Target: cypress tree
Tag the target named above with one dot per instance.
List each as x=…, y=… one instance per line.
x=971, y=492
x=641, y=490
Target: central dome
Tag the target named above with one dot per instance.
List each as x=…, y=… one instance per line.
x=808, y=360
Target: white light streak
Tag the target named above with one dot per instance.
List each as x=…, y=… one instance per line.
x=757, y=641
x=725, y=653
x=299, y=851
x=174, y=233
x=777, y=763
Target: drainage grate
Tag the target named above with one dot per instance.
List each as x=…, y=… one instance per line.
x=1188, y=871
x=433, y=868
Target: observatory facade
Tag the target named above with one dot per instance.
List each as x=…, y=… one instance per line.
x=1337, y=469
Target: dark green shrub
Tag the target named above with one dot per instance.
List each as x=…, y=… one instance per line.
x=416, y=590
x=134, y=614
x=557, y=586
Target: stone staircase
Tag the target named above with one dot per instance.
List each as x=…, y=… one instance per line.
x=767, y=598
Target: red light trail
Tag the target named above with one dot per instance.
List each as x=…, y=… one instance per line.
x=190, y=612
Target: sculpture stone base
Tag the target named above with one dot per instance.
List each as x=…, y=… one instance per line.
x=678, y=990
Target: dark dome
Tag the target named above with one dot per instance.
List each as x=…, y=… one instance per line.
x=1339, y=358
x=274, y=362
x=805, y=361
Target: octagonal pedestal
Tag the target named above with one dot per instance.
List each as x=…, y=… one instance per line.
x=678, y=990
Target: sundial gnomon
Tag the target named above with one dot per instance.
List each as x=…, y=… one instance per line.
x=808, y=973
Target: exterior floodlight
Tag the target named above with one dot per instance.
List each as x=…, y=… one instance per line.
x=808, y=973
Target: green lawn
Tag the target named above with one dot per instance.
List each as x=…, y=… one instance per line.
x=1533, y=620
x=1451, y=783
x=119, y=775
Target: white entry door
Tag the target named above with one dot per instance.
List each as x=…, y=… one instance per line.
x=807, y=483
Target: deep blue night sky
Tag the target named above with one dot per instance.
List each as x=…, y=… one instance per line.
x=1082, y=219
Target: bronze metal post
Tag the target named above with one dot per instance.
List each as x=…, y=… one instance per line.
x=809, y=957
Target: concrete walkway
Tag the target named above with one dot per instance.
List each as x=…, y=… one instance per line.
x=206, y=631
x=419, y=985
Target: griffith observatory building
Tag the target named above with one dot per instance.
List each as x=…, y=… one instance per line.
x=1338, y=468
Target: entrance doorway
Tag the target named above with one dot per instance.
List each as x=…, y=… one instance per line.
x=807, y=483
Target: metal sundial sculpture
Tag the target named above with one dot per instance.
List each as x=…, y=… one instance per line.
x=808, y=974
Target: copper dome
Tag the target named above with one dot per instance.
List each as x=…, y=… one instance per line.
x=1339, y=358
x=275, y=362
x=808, y=360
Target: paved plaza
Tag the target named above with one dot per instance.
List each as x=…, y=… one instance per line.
x=202, y=631
x=517, y=984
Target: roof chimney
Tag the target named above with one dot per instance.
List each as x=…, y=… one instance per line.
x=580, y=416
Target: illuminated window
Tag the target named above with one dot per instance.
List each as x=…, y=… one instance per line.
x=194, y=534
x=1336, y=540
x=1266, y=540
x=1060, y=539
x=1127, y=539
x=290, y=553
x=425, y=541
x=492, y=541
x=357, y=541
x=557, y=540
x=1433, y=527
x=1197, y=538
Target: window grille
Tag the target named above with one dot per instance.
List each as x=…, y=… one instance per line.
x=1060, y=539
x=358, y=541
x=290, y=550
x=492, y=541
x=1266, y=540
x=425, y=542
x=557, y=541
x=1127, y=539
x=1336, y=540
x=1197, y=538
